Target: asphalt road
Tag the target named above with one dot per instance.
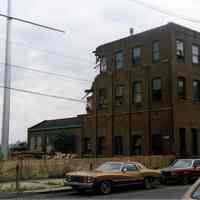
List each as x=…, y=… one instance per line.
x=163, y=192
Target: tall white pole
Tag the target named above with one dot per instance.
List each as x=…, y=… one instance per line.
x=7, y=84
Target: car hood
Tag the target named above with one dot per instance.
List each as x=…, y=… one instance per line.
x=87, y=173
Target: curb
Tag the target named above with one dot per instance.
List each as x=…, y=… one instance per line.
x=34, y=192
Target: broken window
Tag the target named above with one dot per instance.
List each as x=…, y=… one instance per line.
x=118, y=144
x=180, y=55
x=102, y=98
x=195, y=54
x=100, y=145
x=196, y=90
x=119, y=95
x=103, y=64
x=137, y=92
x=156, y=89
x=119, y=59
x=87, y=146
x=156, y=51
x=181, y=87
x=136, y=55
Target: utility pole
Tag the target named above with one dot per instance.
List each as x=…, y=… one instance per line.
x=7, y=84
x=7, y=77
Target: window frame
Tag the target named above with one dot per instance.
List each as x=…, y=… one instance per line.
x=154, y=51
x=119, y=66
x=103, y=65
x=180, y=58
x=135, y=95
x=119, y=98
x=198, y=83
x=136, y=60
x=181, y=78
x=153, y=90
x=102, y=99
x=196, y=55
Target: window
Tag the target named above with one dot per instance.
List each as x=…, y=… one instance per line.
x=87, y=145
x=103, y=64
x=194, y=142
x=180, y=50
x=196, y=90
x=157, y=143
x=136, y=55
x=119, y=59
x=118, y=145
x=130, y=167
x=195, y=54
x=100, y=147
x=182, y=142
x=119, y=95
x=137, y=93
x=156, y=52
x=102, y=98
x=137, y=145
x=156, y=89
x=181, y=89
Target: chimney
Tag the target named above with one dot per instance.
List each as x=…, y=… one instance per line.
x=131, y=31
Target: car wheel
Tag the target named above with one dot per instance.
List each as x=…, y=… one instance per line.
x=148, y=183
x=185, y=180
x=105, y=187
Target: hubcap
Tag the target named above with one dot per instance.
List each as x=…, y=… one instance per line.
x=105, y=188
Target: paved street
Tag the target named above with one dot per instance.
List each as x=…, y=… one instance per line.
x=169, y=192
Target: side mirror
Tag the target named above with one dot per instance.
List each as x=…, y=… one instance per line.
x=124, y=170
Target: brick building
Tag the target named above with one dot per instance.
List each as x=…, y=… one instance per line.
x=146, y=98
x=59, y=135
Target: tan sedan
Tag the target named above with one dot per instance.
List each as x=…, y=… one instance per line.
x=113, y=174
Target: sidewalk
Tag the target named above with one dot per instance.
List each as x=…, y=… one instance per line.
x=7, y=190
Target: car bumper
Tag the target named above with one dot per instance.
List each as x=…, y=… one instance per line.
x=79, y=185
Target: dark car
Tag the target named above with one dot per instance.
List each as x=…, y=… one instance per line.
x=182, y=171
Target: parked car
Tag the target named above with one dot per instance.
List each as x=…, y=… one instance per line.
x=182, y=171
x=193, y=192
x=113, y=174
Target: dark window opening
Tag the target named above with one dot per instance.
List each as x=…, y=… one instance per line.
x=136, y=54
x=156, y=89
x=195, y=54
x=156, y=52
x=137, y=145
x=137, y=92
x=100, y=145
x=87, y=146
x=118, y=145
x=102, y=98
x=119, y=59
x=157, y=143
x=181, y=87
x=119, y=95
x=180, y=54
x=196, y=90
x=182, y=140
x=194, y=142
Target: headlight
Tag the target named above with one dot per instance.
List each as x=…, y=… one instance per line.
x=69, y=178
x=90, y=179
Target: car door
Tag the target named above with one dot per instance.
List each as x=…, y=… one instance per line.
x=131, y=174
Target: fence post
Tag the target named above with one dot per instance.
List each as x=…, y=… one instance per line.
x=17, y=177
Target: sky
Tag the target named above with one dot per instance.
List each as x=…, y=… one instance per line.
x=87, y=24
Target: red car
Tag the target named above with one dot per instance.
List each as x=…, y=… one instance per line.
x=182, y=171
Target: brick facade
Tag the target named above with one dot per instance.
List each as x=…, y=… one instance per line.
x=157, y=121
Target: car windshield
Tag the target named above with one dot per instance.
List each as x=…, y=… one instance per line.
x=182, y=164
x=110, y=167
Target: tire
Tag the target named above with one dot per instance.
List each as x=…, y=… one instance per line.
x=104, y=187
x=148, y=183
x=185, y=180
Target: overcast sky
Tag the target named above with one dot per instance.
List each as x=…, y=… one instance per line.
x=88, y=23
